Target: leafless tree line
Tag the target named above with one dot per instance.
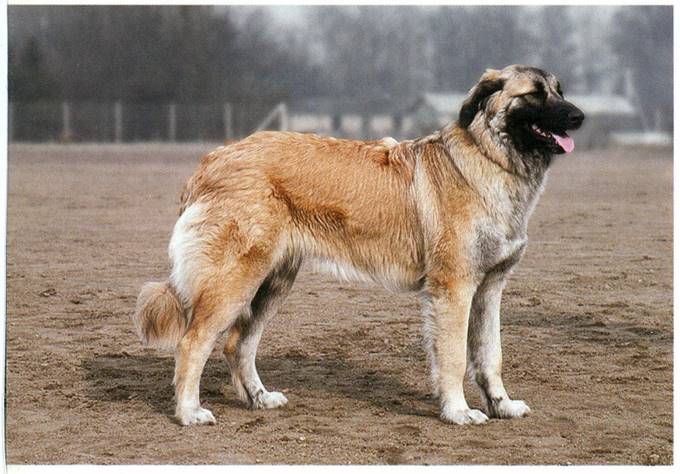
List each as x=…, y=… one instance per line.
x=191, y=54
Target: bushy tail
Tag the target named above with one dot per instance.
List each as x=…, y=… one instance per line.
x=159, y=317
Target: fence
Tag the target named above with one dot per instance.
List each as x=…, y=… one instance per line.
x=121, y=122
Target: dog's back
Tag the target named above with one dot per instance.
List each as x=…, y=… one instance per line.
x=345, y=204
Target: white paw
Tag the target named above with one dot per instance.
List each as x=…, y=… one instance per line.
x=271, y=400
x=507, y=408
x=196, y=416
x=466, y=416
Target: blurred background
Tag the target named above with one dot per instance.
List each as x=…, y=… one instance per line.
x=215, y=73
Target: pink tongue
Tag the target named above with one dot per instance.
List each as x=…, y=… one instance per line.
x=566, y=142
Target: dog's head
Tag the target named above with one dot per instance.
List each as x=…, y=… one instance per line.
x=524, y=104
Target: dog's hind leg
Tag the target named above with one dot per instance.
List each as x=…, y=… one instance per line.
x=244, y=337
x=230, y=350
x=218, y=304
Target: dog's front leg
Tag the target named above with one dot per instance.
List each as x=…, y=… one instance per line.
x=484, y=349
x=447, y=309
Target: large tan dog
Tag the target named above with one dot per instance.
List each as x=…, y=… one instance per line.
x=445, y=216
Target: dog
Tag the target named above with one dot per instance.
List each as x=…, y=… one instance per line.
x=444, y=216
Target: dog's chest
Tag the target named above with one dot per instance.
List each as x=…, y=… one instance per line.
x=501, y=230
x=497, y=247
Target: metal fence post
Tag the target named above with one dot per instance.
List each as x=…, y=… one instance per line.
x=118, y=122
x=228, y=122
x=66, y=132
x=172, y=122
x=10, y=119
x=283, y=116
x=280, y=111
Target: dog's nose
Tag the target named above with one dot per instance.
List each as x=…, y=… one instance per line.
x=575, y=118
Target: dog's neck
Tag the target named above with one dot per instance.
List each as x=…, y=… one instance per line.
x=527, y=168
x=501, y=161
x=494, y=142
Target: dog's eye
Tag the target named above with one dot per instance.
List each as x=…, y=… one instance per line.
x=535, y=95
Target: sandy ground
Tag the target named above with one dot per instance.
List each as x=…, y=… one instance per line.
x=587, y=330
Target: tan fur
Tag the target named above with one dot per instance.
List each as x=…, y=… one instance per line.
x=159, y=317
x=356, y=203
x=443, y=215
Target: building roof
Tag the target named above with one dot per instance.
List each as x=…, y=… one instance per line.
x=441, y=103
x=595, y=104
x=603, y=104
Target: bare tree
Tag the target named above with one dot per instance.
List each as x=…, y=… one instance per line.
x=643, y=41
x=467, y=40
x=29, y=78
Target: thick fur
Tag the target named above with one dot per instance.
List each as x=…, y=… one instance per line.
x=444, y=216
x=159, y=317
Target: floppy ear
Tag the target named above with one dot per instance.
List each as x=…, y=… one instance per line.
x=489, y=83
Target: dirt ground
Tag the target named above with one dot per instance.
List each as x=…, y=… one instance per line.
x=587, y=334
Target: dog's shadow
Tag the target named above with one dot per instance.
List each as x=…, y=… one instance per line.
x=116, y=377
